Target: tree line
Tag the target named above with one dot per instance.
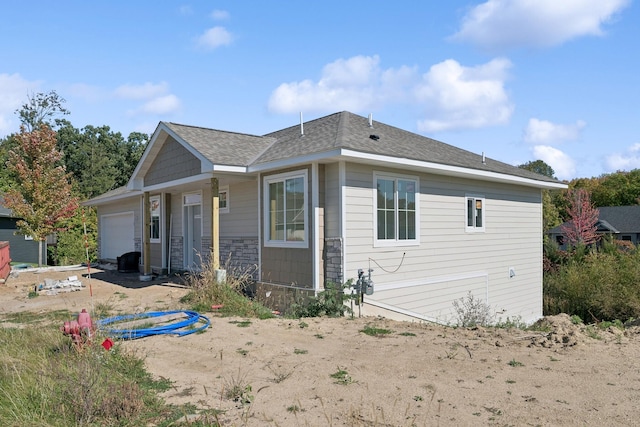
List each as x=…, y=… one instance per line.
x=52, y=166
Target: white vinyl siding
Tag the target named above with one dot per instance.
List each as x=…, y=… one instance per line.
x=447, y=251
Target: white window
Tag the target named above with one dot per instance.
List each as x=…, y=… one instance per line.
x=223, y=199
x=475, y=213
x=285, y=210
x=396, y=210
x=155, y=219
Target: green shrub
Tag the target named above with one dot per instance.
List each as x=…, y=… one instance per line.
x=206, y=291
x=330, y=303
x=600, y=285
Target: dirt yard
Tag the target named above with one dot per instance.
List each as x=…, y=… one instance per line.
x=327, y=372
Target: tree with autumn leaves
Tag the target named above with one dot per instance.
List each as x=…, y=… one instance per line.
x=42, y=195
x=581, y=228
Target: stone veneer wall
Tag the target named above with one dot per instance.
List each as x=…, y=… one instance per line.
x=333, y=260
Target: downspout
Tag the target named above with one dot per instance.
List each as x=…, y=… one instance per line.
x=315, y=208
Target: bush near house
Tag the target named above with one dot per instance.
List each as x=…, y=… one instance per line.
x=598, y=284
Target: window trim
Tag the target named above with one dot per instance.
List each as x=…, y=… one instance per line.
x=225, y=190
x=395, y=242
x=282, y=177
x=473, y=228
x=158, y=215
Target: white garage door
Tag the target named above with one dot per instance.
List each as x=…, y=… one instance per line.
x=116, y=235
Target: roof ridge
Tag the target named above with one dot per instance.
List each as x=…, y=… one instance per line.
x=214, y=129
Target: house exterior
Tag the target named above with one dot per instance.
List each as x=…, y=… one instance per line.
x=621, y=222
x=23, y=249
x=317, y=202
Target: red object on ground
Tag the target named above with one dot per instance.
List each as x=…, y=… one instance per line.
x=217, y=306
x=79, y=330
x=107, y=344
x=5, y=261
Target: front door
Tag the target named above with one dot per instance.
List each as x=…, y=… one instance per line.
x=192, y=211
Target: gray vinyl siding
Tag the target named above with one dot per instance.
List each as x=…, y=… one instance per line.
x=448, y=254
x=172, y=162
x=242, y=218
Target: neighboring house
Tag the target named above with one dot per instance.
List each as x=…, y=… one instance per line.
x=622, y=222
x=316, y=202
x=23, y=249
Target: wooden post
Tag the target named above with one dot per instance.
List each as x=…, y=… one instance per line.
x=146, y=233
x=215, y=224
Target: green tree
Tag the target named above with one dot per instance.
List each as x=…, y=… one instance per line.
x=99, y=159
x=550, y=213
x=540, y=167
x=77, y=243
x=42, y=198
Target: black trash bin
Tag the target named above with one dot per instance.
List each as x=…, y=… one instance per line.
x=128, y=263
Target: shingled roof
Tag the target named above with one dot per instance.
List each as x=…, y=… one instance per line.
x=222, y=147
x=349, y=131
x=616, y=219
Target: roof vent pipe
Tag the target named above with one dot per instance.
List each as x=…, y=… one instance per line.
x=301, y=125
x=370, y=120
x=484, y=160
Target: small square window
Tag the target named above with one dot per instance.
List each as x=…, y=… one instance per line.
x=223, y=199
x=475, y=213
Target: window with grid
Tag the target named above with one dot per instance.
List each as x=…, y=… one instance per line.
x=396, y=210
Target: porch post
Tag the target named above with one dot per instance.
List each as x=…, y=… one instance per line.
x=146, y=248
x=215, y=224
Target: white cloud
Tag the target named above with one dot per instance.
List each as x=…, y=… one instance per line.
x=458, y=97
x=345, y=84
x=161, y=105
x=15, y=91
x=214, y=38
x=220, y=15
x=535, y=23
x=563, y=165
x=624, y=161
x=452, y=96
x=143, y=91
x=545, y=132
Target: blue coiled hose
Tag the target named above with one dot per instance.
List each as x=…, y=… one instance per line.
x=176, y=328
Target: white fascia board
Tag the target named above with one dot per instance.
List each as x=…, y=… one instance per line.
x=177, y=182
x=418, y=165
x=98, y=202
x=448, y=169
x=227, y=168
x=285, y=163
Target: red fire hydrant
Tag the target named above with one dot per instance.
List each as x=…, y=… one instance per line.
x=81, y=330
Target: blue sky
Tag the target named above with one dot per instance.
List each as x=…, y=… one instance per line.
x=518, y=80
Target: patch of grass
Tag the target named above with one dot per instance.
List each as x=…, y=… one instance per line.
x=280, y=373
x=303, y=325
x=514, y=363
x=592, y=332
x=28, y=317
x=242, y=351
x=241, y=323
x=330, y=302
x=341, y=376
x=206, y=291
x=407, y=334
x=32, y=294
x=237, y=389
x=614, y=323
x=319, y=336
x=576, y=320
x=45, y=380
x=375, y=332
x=510, y=381
x=300, y=351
